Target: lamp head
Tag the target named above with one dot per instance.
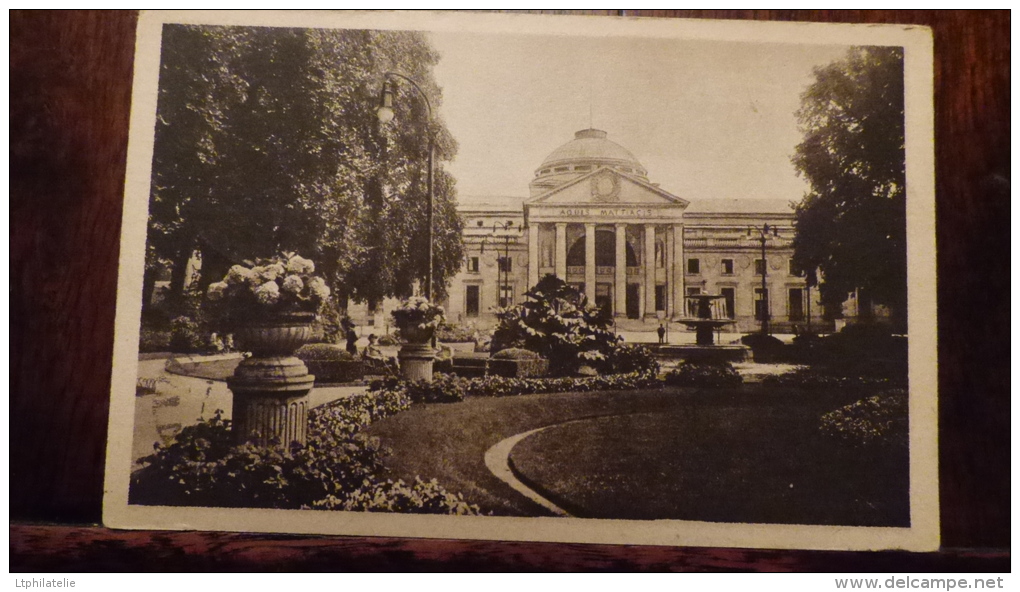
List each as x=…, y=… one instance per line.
x=385, y=111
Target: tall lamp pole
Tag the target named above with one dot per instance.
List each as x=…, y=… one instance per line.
x=386, y=114
x=763, y=234
x=504, y=269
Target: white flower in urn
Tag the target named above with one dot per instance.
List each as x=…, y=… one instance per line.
x=293, y=284
x=318, y=288
x=216, y=290
x=268, y=293
x=298, y=264
x=238, y=274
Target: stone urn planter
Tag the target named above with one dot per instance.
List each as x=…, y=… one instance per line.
x=271, y=387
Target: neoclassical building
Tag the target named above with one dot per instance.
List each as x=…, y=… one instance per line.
x=594, y=218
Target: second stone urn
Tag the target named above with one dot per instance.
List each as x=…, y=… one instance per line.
x=271, y=387
x=417, y=355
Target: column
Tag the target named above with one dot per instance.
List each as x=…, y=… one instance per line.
x=678, y=270
x=534, y=231
x=561, y=250
x=649, y=261
x=670, y=277
x=620, y=294
x=589, y=262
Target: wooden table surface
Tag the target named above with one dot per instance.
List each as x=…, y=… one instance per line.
x=70, y=98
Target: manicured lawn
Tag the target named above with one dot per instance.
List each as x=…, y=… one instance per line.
x=736, y=455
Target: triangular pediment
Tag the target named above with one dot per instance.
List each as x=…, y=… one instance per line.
x=607, y=187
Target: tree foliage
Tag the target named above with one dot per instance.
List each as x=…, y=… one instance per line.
x=267, y=141
x=561, y=325
x=851, y=225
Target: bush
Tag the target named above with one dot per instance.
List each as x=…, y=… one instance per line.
x=331, y=363
x=455, y=334
x=817, y=377
x=499, y=386
x=704, y=375
x=185, y=336
x=626, y=359
x=153, y=340
x=203, y=467
x=559, y=324
x=515, y=353
x=420, y=497
x=444, y=388
x=765, y=348
x=878, y=420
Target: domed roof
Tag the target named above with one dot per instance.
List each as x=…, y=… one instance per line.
x=591, y=145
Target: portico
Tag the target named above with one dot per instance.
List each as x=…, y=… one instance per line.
x=614, y=236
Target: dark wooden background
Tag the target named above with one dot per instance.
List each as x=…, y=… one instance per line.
x=70, y=98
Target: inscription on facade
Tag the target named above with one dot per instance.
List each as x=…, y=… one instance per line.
x=613, y=212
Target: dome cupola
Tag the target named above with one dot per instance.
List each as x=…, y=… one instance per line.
x=589, y=150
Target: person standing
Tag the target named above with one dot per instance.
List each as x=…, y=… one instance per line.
x=662, y=334
x=352, y=340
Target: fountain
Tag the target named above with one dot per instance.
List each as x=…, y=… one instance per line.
x=705, y=316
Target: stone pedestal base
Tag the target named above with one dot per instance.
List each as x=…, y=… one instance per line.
x=416, y=361
x=270, y=400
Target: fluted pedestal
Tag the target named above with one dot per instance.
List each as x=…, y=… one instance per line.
x=271, y=387
x=270, y=400
x=416, y=361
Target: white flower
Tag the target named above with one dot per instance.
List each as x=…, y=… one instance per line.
x=268, y=293
x=238, y=274
x=216, y=290
x=293, y=284
x=298, y=264
x=268, y=273
x=318, y=288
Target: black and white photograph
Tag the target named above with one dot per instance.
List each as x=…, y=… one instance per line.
x=524, y=277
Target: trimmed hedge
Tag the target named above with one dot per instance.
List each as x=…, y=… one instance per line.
x=704, y=375
x=331, y=363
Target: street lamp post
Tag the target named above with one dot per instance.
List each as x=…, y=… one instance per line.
x=385, y=114
x=503, y=270
x=763, y=234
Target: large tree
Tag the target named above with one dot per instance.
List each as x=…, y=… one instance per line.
x=851, y=225
x=267, y=140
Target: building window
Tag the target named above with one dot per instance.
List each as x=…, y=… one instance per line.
x=796, y=309
x=729, y=301
x=693, y=266
x=727, y=266
x=761, y=298
x=794, y=271
x=472, y=301
x=506, y=296
x=660, y=298
x=506, y=264
x=759, y=267
x=472, y=264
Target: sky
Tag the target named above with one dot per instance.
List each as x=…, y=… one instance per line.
x=707, y=119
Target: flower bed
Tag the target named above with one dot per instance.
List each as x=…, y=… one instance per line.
x=338, y=468
x=877, y=420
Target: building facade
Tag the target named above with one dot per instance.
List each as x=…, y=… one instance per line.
x=593, y=218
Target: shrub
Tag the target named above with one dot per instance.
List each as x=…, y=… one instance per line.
x=388, y=340
x=704, y=375
x=499, y=386
x=444, y=388
x=626, y=359
x=203, y=467
x=765, y=348
x=331, y=363
x=515, y=353
x=455, y=334
x=817, y=377
x=881, y=419
x=559, y=324
x=153, y=340
x=185, y=336
x=420, y=497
